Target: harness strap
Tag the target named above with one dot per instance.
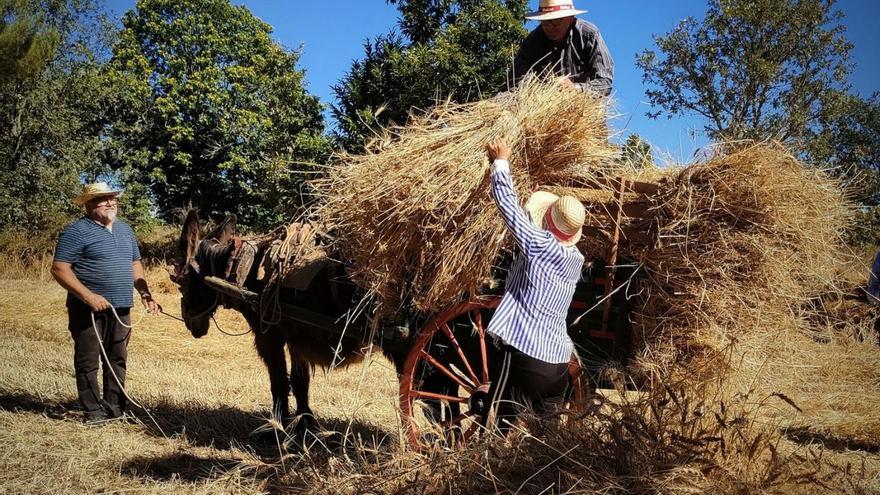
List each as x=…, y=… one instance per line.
x=233, y=257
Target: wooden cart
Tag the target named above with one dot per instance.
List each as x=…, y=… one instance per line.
x=447, y=370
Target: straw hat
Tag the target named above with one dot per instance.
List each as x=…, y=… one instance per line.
x=553, y=9
x=562, y=216
x=96, y=190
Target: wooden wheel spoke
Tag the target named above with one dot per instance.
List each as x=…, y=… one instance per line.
x=419, y=394
x=463, y=426
x=471, y=430
x=457, y=420
x=446, y=371
x=467, y=364
x=478, y=322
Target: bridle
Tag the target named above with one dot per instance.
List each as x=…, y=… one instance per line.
x=193, y=265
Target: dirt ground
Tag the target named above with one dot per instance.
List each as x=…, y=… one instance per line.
x=209, y=396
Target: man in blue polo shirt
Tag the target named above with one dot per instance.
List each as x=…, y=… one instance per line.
x=98, y=261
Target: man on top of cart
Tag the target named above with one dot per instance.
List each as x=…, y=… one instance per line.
x=564, y=45
x=529, y=325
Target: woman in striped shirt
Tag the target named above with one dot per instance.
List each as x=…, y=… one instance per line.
x=529, y=325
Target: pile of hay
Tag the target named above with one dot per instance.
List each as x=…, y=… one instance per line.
x=749, y=259
x=744, y=340
x=415, y=217
x=749, y=228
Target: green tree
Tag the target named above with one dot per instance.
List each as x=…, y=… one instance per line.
x=27, y=42
x=215, y=112
x=849, y=146
x=754, y=69
x=456, y=49
x=50, y=109
x=637, y=152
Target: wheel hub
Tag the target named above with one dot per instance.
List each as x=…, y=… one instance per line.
x=479, y=400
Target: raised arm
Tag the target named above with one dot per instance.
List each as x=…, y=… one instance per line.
x=519, y=224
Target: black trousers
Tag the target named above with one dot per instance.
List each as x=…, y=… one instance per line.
x=521, y=382
x=87, y=355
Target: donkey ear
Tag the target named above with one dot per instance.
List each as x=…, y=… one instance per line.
x=190, y=235
x=226, y=230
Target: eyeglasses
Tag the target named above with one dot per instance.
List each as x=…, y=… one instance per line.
x=556, y=22
x=105, y=202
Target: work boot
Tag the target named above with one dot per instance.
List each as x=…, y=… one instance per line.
x=95, y=418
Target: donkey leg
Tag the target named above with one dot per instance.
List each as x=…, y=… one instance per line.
x=300, y=378
x=270, y=346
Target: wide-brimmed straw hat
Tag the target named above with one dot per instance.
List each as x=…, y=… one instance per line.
x=96, y=190
x=553, y=9
x=561, y=216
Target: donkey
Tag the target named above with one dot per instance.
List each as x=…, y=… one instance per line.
x=329, y=293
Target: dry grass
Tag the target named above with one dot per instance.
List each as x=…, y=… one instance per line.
x=414, y=215
x=210, y=395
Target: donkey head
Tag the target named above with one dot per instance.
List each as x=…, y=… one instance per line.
x=203, y=256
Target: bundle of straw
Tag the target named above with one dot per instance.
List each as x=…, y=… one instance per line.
x=748, y=261
x=750, y=227
x=415, y=218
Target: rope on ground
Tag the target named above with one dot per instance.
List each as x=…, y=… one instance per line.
x=113, y=372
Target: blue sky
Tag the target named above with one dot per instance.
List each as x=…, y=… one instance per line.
x=331, y=38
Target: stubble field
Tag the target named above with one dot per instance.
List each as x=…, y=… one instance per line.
x=209, y=396
x=212, y=433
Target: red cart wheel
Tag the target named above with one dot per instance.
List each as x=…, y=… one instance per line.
x=446, y=375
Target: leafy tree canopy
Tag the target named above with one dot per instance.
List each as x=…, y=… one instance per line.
x=637, y=152
x=50, y=109
x=27, y=41
x=753, y=69
x=456, y=49
x=214, y=113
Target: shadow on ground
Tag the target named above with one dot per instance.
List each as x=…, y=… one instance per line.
x=806, y=436
x=221, y=427
x=23, y=402
x=178, y=466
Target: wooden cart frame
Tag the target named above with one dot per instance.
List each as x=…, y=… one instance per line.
x=453, y=348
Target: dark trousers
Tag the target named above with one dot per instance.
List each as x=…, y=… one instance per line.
x=521, y=382
x=87, y=355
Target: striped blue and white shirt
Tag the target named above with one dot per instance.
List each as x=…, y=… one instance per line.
x=540, y=285
x=101, y=259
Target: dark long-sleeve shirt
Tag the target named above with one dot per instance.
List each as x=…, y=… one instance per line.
x=874, y=278
x=581, y=55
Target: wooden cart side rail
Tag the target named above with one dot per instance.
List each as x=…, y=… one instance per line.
x=627, y=234
x=614, y=183
x=637, y=210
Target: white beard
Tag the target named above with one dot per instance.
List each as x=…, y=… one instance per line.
x=105, y=219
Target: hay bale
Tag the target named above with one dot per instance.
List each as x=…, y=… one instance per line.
x=744, y=229
x=741, y=281
x=414, y=216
